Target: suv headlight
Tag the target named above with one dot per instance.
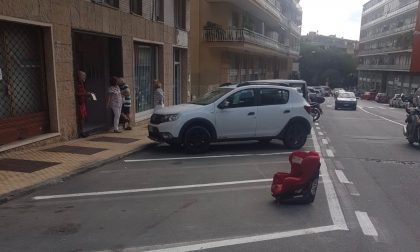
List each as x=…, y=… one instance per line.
x=170, y=118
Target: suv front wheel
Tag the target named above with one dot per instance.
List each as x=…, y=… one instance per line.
x=295, y=136
x=196, y=139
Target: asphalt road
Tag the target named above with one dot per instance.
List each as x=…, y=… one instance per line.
x=163, y=200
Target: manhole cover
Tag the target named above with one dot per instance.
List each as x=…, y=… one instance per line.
x=27, y=166
x=75, y=150
x=114, y=140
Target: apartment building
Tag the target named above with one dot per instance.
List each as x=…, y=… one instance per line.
x=238, y=40
x=45, y=42
x=331, y=41
x=389, y=52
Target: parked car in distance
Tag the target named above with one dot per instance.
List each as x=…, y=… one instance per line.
x=234, y=113
x=346, y=100
x=369, y=95
x=381, y=98
x=336, y=91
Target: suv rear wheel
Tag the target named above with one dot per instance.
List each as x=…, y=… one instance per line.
x=295, y=136
x=197, y=139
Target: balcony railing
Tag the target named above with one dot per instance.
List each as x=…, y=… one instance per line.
x=384, y=67
x=383, y=51
x=244, y=36
x=402, y=29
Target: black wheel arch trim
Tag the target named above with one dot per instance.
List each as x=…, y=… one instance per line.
x=297, y=119
x=198, y=121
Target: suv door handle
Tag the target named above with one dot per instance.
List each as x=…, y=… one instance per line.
x=251, y=113
x=286, y=112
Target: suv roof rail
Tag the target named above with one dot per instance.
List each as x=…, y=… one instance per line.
x=225, y=84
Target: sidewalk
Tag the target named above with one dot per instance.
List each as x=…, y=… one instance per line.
x=25, y=170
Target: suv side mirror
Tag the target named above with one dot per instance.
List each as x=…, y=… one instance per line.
x=224, y=104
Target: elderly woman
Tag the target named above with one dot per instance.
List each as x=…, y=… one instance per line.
x=158, y=95
x=115, y=101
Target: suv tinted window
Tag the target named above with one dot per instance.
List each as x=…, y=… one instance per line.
x=244, y=98
x=273, y=96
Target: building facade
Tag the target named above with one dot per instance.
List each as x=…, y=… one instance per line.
x=45, y=42
x=326, y=42
x=389, y=53
x=239, y=40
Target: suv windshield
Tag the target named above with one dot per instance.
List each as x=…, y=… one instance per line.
x=211, y=96
x=346, y=95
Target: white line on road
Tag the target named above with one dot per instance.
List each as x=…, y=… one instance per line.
x=367, y=226
x=75, y=195
x=316, y=124
x=201, y=245
x=320, y=133
x=337, y=215
x=386, y=119
x=204, y=157
x=318, y=128
x=324, y=141
x=342, y=177
x=330, y=153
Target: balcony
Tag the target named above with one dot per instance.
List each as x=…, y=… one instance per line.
x=396, y=31
x=243, y=36
x=265, y=9
x=388, y=50
x=400, y=68
x=410, y=7
x=294, y=28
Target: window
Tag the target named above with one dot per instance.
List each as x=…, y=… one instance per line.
x=113, y=3
x=180, y=14
x=273, y=96
x=136, y=6
x=158, y=10
x=244, y=98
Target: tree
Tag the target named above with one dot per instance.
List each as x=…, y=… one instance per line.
x=319, y=66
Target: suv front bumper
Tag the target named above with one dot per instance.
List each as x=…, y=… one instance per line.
x=161, y=134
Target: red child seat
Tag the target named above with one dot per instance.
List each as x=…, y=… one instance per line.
x=301, y=183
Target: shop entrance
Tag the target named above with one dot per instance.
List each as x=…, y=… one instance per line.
x=100, y=57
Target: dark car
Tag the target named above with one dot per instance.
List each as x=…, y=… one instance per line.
x=346, y=100
x=381, y=98
x=368, y=95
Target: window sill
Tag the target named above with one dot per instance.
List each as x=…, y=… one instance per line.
x=28, y=141
x=106, y=5
x=136, y=14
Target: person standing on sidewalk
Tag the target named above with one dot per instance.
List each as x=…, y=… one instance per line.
x=158, y=95
x=114, y=101
x=125, y=112
x=82, y=97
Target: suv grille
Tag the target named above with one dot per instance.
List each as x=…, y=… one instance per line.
x=156, y=119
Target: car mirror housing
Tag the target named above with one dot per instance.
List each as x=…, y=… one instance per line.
x=224, y=104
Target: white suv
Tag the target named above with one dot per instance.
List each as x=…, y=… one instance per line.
x=232, y=113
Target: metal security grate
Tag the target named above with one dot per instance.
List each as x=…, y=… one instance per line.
x=22, y=82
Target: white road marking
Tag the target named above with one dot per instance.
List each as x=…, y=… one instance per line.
x=337, y=215
x=207, y=157
x=391, y=108
x=330, y=153
x=129, y=191
x=386, y=119
x=342, y=177
x=367, y=226
x=318, y=128
x=324, y=141
x=329, y=106
x=206, y=244
x=316, y=124
x=371, y=107
x=320, y=133
x=353, y=191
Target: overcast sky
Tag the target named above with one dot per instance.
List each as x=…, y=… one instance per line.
x=332, y=17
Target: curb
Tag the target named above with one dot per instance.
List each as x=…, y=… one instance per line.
x=83, y=169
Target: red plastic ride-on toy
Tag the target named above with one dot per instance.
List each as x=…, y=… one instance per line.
x=300, y=185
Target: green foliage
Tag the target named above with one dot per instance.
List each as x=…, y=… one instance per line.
x=319, y=66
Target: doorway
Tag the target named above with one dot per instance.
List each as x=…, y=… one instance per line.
x=100, y=57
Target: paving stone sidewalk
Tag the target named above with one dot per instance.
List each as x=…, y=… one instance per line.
x=25, y=170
